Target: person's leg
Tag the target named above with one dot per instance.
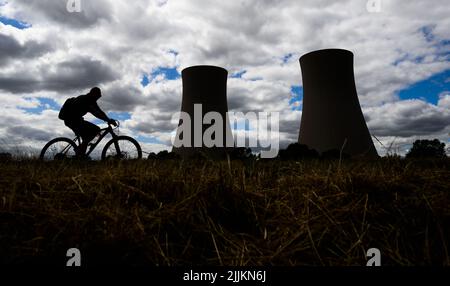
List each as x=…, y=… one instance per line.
x=77, y=127
x=88, y=132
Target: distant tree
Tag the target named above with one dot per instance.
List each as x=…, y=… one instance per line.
x=163, y=155
x=5, y=156
x=427, y=149
x=297, y=151
x=152, y=155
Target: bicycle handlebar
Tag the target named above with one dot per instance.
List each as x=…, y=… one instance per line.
x=117, y=122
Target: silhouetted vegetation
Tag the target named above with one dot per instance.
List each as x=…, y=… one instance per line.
x=427, y=149
x=334, y=154
x=164, y=155
x=242, y=153
x=177, y=212
x=5, y=156
x=297, y=151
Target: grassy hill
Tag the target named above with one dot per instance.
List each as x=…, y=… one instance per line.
x=252, y=213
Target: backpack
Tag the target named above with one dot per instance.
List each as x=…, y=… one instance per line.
x=67, y=109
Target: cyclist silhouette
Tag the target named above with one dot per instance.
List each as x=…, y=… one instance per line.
x=75, y=108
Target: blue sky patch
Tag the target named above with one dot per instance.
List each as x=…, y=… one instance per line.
x=427, y=32
x=167, y=72
x=240, y=125
x=287, y=57
x=44, y=104
x=296, y=96
x=408, y=57
x=15, y=23
x=428, y=89
x=96, y=121
x=148, y=139
x=444, y=42
x=121, y=116
x=145, y=81
x=444, y=49
x=173, y=52
x=238, y=74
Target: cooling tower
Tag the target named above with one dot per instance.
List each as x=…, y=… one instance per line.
x=205, y=85
x=332, y=116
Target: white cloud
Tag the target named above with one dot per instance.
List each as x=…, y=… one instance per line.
x=408, y=118
x=119, y=41
x=444, y=100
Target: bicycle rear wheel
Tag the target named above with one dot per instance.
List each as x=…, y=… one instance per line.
x=129, y=149
x=58, y=149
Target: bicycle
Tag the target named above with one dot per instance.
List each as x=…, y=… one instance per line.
x=119, y=147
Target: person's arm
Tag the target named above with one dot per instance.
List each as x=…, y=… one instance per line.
x=97, y=112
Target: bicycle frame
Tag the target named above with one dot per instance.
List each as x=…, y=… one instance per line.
x=102, y=133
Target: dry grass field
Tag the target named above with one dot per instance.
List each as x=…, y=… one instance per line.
x=234, y=213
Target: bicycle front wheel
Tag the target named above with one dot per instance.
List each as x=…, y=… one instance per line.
x=58, y=149
x=126, y=148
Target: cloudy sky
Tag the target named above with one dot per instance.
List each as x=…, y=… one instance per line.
x=136, y=50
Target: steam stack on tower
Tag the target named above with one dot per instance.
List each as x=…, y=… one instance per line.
x=332, y=117
x=205, y=85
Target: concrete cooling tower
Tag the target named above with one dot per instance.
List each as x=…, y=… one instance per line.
x=205, y=85
x=332, y=116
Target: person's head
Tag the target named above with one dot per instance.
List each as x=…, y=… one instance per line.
x=96, y=92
